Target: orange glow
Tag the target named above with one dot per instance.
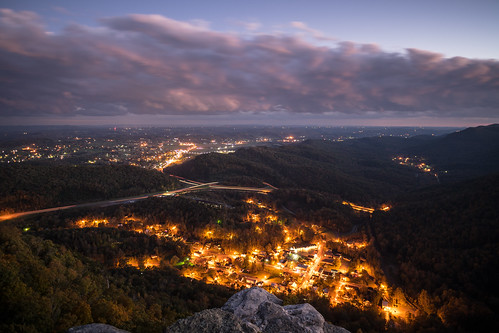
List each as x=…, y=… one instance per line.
x=153, y=261
x=358, y=207
x=91, y=223
x=385, y=207
x=7, y=216
x=133, y=262
x=254, y=217
x=271, y=217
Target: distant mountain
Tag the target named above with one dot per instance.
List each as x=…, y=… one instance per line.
x=465, y=154
x=357, y=170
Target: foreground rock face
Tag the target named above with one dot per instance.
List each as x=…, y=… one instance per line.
x=255, y=310
x=212, y=320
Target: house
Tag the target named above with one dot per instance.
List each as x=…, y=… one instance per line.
x=328, y=274
x=328, y=261
x=301, y=267
x=250, y=281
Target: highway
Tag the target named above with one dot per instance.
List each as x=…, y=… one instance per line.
x=194, y=186
x=213, y=186
x=241, y=188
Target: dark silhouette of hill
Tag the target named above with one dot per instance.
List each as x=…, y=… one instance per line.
x=361, y=170
x=465, y=154
x=358, y=170
x=33, y=186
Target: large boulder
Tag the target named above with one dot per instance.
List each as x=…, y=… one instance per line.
x=256, y=310
x=245, y=303
x=213, y=320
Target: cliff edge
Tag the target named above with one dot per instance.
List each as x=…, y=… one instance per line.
x=256, y=310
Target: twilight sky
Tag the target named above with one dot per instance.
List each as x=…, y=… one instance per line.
x=163, y=63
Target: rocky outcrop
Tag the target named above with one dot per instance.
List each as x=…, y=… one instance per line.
x=251, y=310
x=245, y=304
x=256, y=310
x=212, y=320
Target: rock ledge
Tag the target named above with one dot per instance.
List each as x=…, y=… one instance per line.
x=256, y=310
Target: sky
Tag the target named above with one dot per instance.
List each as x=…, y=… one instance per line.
x=168, y=63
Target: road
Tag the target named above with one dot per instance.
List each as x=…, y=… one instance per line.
x=313, y=267
x=194, y=186
x=359, y=207
x=88, y=204
x=241, y=188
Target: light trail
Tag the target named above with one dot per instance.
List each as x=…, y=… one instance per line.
x=195, y=186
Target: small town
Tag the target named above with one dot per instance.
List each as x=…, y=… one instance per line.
x=336, y=268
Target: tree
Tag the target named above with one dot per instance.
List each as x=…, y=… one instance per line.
x=425, y=302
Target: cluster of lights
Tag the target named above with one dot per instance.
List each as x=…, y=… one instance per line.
x=304, y=275
x=91, y=223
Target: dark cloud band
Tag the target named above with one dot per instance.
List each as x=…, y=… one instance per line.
x=149, y=64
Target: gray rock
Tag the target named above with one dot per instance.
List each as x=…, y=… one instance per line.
x=213, y=320
x=245, y=303
x=268, y=312
x=256, y=310
x=96, y=328
x=251, y=310
x=328, y=328
x=305, y=315
x=273, y=318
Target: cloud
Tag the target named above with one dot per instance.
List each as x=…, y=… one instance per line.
x=150, y=64
x=315, y=33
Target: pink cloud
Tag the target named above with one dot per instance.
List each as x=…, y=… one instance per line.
x=152, y=64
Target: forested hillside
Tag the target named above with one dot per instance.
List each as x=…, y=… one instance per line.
x=441, y=244
x=354, y=171
x=47, y=288
x=34, y=186
x=359, y=170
